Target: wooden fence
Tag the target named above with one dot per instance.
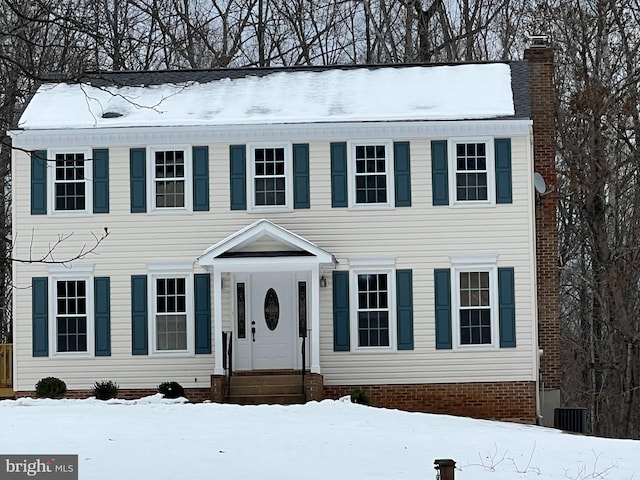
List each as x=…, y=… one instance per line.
x=6, y=365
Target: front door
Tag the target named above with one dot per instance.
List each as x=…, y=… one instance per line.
x=272, y=320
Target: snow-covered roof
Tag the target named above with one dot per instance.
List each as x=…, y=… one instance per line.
x=280, y=96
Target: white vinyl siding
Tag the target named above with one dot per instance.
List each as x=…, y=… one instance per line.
x=421, y=237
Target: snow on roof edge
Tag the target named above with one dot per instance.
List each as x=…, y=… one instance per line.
x=444, y=92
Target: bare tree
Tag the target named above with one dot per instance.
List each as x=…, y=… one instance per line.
x=599, y=54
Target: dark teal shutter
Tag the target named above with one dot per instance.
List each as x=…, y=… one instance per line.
x=404, y=307
x=339, y=185
x=507, y=307
x=238, y=168
x=301, y=176
x=202, y=292
x=502, y=148
x=200, y=157
x=100, y=180
x=138, y=179
x=139, y=315
x=341, y=311
x=442, y=285
x=102, y=307
x=40, y=316
x=39, y=182
x=439, y=172
x=402, y=171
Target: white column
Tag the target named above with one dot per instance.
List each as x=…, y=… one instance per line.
x=315, y=320
x=217, y=322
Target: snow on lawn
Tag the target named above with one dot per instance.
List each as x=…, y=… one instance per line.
x=153, y=438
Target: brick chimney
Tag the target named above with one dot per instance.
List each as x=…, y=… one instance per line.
x=539, y=55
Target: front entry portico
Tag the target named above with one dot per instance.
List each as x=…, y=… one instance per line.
x=276, y=281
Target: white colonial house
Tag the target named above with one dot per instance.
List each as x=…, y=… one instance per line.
x=373, y=227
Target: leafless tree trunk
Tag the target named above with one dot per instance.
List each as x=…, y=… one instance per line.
x=599, y=55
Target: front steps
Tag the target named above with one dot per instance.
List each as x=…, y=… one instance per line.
x=6, y=393
x=282, y=389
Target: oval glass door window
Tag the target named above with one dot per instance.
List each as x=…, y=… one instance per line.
x=271, y=309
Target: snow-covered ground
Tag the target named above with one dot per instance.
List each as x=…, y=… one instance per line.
x=153, y=438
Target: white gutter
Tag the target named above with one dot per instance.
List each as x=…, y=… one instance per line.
x=292, y=132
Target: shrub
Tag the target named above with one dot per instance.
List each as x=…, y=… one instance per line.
x=360, y=396
x=105, y=390
x=51, y=387
x=171, y=389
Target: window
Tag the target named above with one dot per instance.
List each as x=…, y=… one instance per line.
x=371, y=167
x=169, y=181
x=71, y=316
x=373, y=310
x=471, y=171
x=371, y=174
x=71, y=307
x=171, y=314
x=270, y=183
x=475, y=308
x=71, y=190
x=474, y=289
x=241, y=311
x=372, y=307
x=70, y=181
x=170, y=310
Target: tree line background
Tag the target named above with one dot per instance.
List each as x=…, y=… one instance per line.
x=597, y=45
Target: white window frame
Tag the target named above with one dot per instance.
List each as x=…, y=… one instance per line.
x=390, y=172
x=288, y=176
x=492, y=270
x=189, y=305
x=391, y=301
x=491, y=174
x=88, y=180
x=72, y=275
x=151, y=178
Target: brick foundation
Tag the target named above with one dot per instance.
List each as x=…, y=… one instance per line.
x=510, y=401
x=193, y=394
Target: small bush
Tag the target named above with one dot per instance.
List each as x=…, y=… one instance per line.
x=51, y=387
x=105, y=390
x=360, y=396
x=171, y=390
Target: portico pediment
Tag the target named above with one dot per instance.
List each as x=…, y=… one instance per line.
x=263, y=241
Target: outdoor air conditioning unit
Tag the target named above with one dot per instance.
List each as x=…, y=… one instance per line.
x=570, y=419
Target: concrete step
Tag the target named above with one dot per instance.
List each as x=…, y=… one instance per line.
x=7, y=393
x=243, y=380
x=266, y=389
x=265, y=399
x=284, y=389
